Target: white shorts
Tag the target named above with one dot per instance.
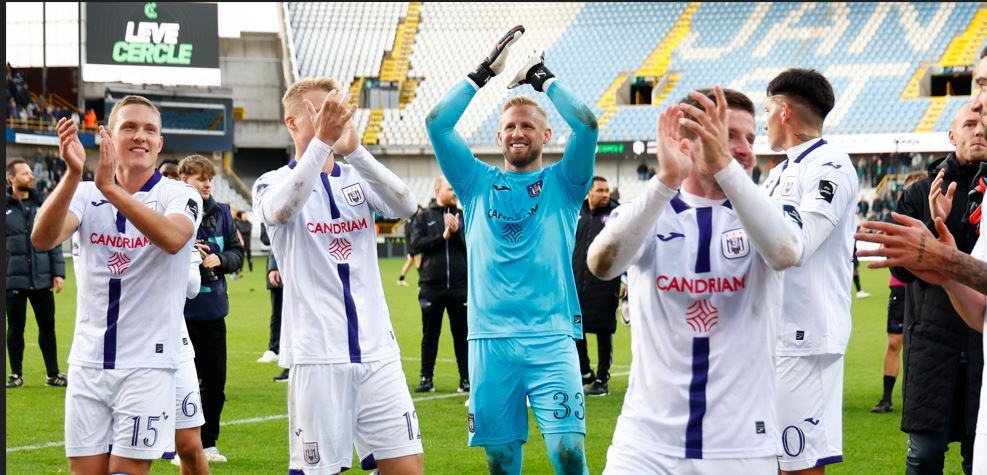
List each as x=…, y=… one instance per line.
x=624, y=459
x=333, y=407
x=126, y=412
x=810, y=410
x=980, y=454
x=188, y=403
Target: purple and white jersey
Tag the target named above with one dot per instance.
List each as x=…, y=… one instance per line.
x=821, y=180
x=334, y=307
x=131, y=294
x=705, y=307
x=186, y=351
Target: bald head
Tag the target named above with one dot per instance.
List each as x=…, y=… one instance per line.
x=444, y=194
x=967, y=134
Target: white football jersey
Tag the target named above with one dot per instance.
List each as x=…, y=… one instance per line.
x=705, y=308
x=980, y=252
x=131, y=293
x=334, y=307
x=815, y=318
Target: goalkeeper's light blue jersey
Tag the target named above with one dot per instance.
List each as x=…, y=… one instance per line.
x=520, y=227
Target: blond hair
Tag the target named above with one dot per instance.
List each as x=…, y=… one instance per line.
x=195, y=165
x=126, y=101
x=293, y=96
x=518, y=101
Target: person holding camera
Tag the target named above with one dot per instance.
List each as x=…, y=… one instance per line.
x=222, y=253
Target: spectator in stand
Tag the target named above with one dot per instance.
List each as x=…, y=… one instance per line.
x=87, y=174
x=222, y=254
x=31, y=275
x=89, y=120
x=615, y=196
x=13, y=111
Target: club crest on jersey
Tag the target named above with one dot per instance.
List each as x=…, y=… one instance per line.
x=702, y=316
x=311, y=450
x=118, y=263
x=734, y=244
x=354, y=194
x=340, y=249
x=788, y=186
x=534, y=189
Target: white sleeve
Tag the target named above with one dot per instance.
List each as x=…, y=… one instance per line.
x=280, y=202
x=186, y=202
x=78, y=204
x=194, y=278
x=627, y=230
x=775, y=238
x=388, y=194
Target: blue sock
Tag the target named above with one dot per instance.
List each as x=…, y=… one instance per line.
x=505, y=459
x=567, y=452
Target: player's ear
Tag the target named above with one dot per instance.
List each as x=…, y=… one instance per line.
x=952, y=141
x=685, y=146
x=548, y=135
x=289, y=121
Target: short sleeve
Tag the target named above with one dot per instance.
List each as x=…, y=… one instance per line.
x=78, y=204
x=186, y=202
x=828, y=189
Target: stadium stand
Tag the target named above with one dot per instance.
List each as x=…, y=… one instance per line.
x=872, y=52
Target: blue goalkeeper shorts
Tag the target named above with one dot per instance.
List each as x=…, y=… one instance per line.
x=505, y=370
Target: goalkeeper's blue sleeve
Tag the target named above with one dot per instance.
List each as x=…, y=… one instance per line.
x=455, y=158
x=580, y=149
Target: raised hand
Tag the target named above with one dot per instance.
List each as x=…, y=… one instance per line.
x=907, y=244
x=534, y=72
x=673, y=164
x=452, y=222
x=330, y=120
x=712, y=127
x=348, y=141
x=107, y=160
x=69, y=146
x=940, y=205
x=493, y=64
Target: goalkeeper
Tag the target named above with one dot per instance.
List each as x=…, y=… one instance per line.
x=520, y=230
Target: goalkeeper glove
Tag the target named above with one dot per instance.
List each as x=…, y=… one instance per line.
x=493, y=64
x=535, y=73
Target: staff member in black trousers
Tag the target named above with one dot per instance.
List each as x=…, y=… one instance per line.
x=437, y=236
x=31, y=275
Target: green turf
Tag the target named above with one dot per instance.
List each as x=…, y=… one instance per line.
x=872, y=443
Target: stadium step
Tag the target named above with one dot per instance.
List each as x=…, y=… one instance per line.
x=963, y=49
x=371, y=135
x=607, y=101
x=911, y=89
x=395, y=66
x=656, y=65
x=932, y=113
x=356, y=87
x=658, y=62
x=673, y=79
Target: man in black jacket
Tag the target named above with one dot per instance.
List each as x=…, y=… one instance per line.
x=598, y=299
x=943, y=358
x=437, y=235
x=222, y=253
x=31, y=275
x=276, y=287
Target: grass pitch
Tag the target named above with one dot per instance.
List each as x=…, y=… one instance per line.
x=254, y=434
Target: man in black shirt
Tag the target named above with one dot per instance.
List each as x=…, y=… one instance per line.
x=437, y=235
